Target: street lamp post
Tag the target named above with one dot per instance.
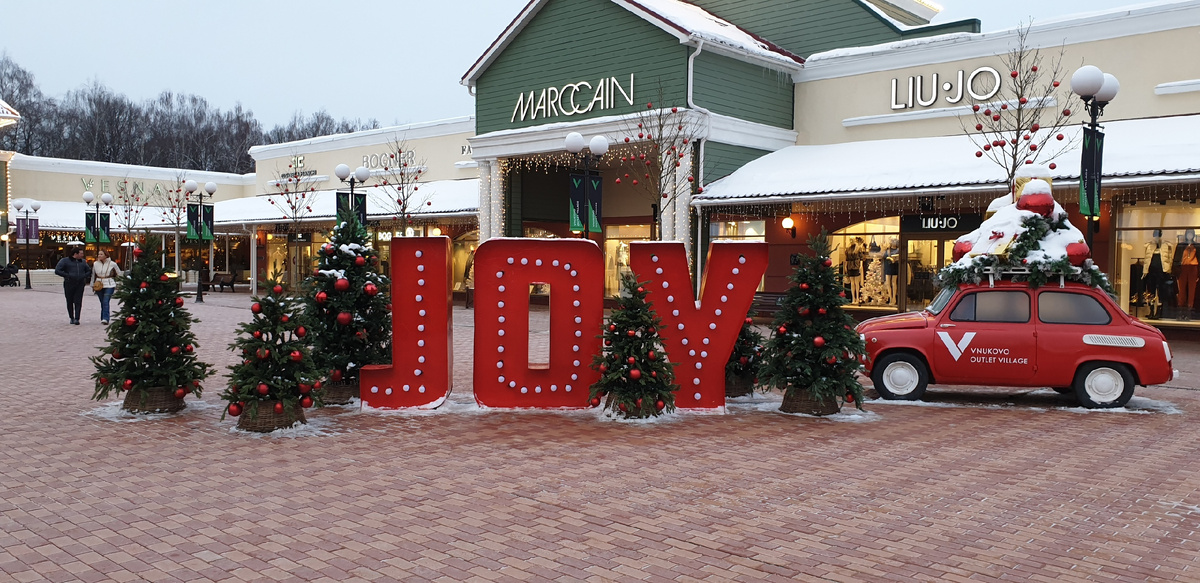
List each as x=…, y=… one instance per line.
x=88, y=198
x=211, y=188
x=597, y=147
x=34, y=206
x=359, y=176
x=1096, y=88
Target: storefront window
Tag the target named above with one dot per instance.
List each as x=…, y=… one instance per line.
x=868, y=256
x=740, y=231
x=463, y=252
x=616, y=253
x=1157, y=270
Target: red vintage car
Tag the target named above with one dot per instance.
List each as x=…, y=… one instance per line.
x=1071, y=337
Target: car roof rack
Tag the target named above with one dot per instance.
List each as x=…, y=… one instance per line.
x=993, y=271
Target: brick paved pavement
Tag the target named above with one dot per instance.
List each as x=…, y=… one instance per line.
x=989, y=486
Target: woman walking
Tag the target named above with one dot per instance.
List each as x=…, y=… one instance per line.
x=104, y=274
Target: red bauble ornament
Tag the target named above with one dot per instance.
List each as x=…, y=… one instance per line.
x=1053, y=165
x=187, y=348
x=744, y=360
x=305, y=389
x=821, y=311
x=306, y=402
x=841, y=294
x=301, y=331
x=651, y=355
x=961, y=248
x=1041, y=203
x=329, y=249
x=831, y=360
x=258, y=333
x=1066, y=112
x=117, y=355
x=277, y=289
x=235, y=409
x=143, y=285
x=175, y=350
x=640, y=290
x=1077, y=253
x=321, y=297
x=978, y=154
x=297, y=356
x=975, y=108
x=631, y=360
x=342, y=284
x=137, y=251
x=849, y=397
x=603, y=368
x=803, y=311
x=659, y=405
x=978, y=126
x=595, y=401
x=804, y=286
x=163, y=277
x=1059, y=137
x=630, y=333
x=128, y=384
x=336, y=375
x=130, y=321
x=278, y=408
x=344, y=318
x=749, y=321
x=1013, y=74
x=104, y=380
x=179, y=393
x=635, y=374
x=783, y=329
x=256, y=308
x=284, y=318
x=371, y=289
x=360, y=261
x=828, y=262
x=622, y=407
x=819, y=341
x=263, y=388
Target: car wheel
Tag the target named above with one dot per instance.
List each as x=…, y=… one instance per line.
x=1103, y=385
x=900, y=376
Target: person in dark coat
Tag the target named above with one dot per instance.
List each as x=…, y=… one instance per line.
x=75, y=273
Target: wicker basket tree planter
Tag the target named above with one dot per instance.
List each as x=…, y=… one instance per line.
x=802, y=401
x=738, y=386
x=266, y=419
x=339, y=392
x=153, y=400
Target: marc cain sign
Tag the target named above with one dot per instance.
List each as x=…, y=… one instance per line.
x=572, y=99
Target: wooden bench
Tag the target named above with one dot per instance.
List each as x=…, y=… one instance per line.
x=221, y=280
x=765, y=304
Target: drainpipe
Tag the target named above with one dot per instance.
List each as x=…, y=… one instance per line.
x=699, y=160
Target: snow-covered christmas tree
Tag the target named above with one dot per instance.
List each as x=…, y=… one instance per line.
x=874, y=292
x=1030, y=240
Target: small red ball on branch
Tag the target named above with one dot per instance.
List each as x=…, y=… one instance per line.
x=831, y=360
x=321, y=297
x=305, y=388
x=163, y=277
x=651, y=355
x=1066, y=112
x=1053, y=165
x=278, y=408
x=603, y=368
x=1013, y=74
x=256, y=308
x=631, y=360
x=1059, y=137
x=804, y=286
x=360, y=261
x=235, y=409
x=297, y=356
x=749, y=320
x=137, y=251
x=821, y=311
x=595, y=401
x=978, y=154
x=143, y=285
x=342, y=284
x=659, y=405
x=179, y=302
x=128, y=384
x=130, y=321
x=175, y=349
x=978, y=126
x=343, y=318
x=635, y=374
x=819, y=341
x=179, y=393
x=783, y=329
x=306, y=402
x=263, y=389
x=371, y=289
x=828, y=262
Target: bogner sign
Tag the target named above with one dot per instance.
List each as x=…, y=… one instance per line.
x=981, y=84
x=572, y=99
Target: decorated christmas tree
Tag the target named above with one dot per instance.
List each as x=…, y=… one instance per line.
x=635, y=376
x=814, y=352
x=741, y=370
x=874, y=290
x=348, y=301
x=151, y=350
x=277, y=378
x=1028, y=240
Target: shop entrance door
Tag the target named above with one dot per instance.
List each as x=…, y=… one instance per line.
x=923, y=259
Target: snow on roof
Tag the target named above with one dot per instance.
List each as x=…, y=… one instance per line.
x=440, y=127
x=699, y=24
x=687, y=22
x=8, y=115
x=449, y=197
x=1144, y=147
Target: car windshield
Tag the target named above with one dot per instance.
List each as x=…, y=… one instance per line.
x=939, y=303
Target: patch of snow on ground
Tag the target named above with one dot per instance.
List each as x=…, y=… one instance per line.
x=1136, y=405
x=112, y=411
x=770, y=403
x=319, y=427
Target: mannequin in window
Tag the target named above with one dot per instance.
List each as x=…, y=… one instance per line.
x=853, y=266
x=891, y=267
x=1186, y=274
x=1158, y=255
x=1136, y=287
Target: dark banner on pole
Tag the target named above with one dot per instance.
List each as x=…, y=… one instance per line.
x=102, y=228
x=579, y=206
x=593, y=198
x=89, y=227
x=193, y=222
x=1090, y=172
x=22, y=238
x=206, y=223
x=357, y=205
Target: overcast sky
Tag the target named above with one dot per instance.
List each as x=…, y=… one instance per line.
x=398, y=61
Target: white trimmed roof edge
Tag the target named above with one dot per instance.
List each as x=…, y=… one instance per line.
x=1073, y=29
x=44, y=164
x=427, y=129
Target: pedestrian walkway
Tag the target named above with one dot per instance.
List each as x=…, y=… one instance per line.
x=990, y=485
